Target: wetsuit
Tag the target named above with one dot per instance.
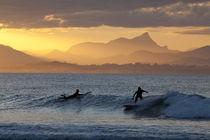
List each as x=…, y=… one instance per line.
x=75, y=94
x=138, y=94
x=72, y=96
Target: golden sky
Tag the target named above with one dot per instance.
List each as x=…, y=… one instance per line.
x=64, y=38
x=49, y=24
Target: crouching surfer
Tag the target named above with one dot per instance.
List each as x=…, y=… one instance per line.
x=76, y=94
x=138, y=94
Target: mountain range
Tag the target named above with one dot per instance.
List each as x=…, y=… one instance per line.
x=120, y=46
x=141, y=49
x=10, y=56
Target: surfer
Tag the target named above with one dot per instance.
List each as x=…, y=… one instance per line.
x=138, y=94
x=76, y=94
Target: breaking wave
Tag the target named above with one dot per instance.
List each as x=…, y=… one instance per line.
x=172, y=104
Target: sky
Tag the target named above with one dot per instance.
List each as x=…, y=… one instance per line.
x=59, y=24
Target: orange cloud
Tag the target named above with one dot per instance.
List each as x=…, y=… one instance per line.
x=53, y=18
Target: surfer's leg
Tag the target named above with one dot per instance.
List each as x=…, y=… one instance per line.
x=136, y=99
x=141, y=97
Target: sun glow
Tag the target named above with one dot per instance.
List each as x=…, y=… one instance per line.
x=64, y=38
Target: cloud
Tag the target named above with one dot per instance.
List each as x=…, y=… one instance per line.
x=52, y=18
x=91, y=13
x=198, y=32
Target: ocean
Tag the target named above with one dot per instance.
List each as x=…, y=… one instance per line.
x=176, y=107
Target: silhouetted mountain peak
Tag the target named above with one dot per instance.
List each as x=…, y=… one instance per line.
x=144, y=37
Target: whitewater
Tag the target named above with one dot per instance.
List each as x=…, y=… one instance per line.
x=176, y=107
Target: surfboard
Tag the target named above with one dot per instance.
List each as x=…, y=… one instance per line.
x=63, y=96
x=86, y=93
x=130, y=107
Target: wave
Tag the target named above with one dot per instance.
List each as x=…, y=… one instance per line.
x=172, y=104
x=97, y=102
x=186, y=106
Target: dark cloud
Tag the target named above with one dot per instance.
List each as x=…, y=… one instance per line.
x=198, y=32
x=89, y=13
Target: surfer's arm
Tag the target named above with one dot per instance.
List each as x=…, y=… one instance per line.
x=145, y=91
x=134, y=95
x=63, y=95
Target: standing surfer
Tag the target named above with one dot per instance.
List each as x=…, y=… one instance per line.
x=138, y=94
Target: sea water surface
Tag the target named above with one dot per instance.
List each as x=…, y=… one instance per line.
x=176, y=107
